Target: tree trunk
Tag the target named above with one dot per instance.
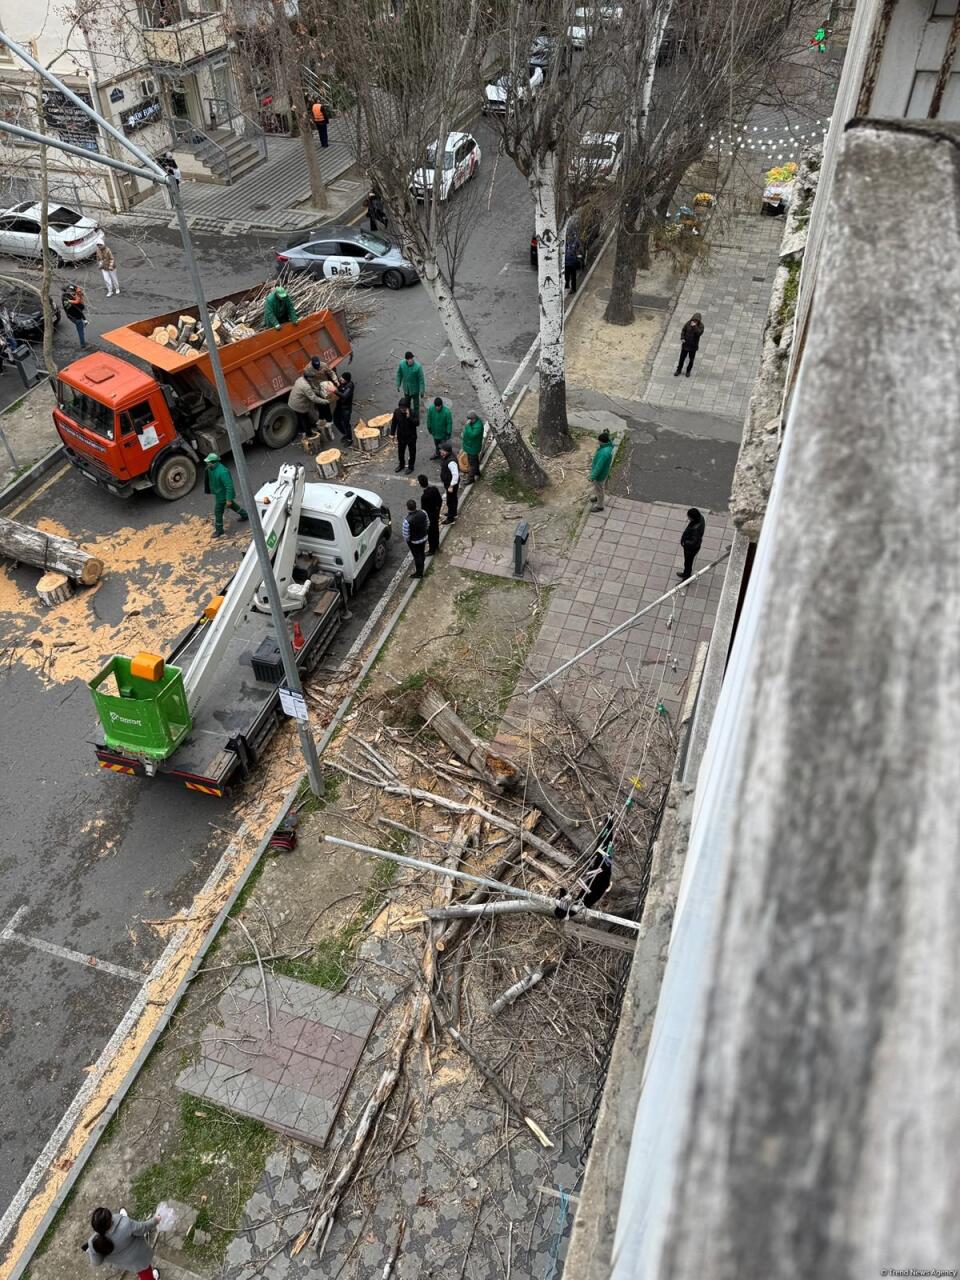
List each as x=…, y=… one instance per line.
x=318, y=192
x=553, y=431
x=27, y=545
x=299, y=116
x=629, y=249
x=496, y=769
x=521, y=461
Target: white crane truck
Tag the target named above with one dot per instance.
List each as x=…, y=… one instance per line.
x=203, y=716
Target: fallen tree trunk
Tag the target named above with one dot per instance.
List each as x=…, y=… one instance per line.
x=27, y=545
x=501, y=774
x=473, y=910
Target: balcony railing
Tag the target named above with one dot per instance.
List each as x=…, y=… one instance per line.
x=186, y=41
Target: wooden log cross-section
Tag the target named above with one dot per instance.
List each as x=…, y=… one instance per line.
x=54, y=588
x=495, y=768
x=46, y=551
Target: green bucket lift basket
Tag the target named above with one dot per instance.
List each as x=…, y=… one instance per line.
x=147, y=718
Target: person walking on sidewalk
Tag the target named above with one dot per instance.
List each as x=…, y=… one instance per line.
x=416, y=530
x=410, y=380
x=431, y=501
x=321, y=118
x=472, y=444
x=121, y=1242
x=572, y=261
x=404, y=425
x=343, y=408
x=600, y=468
x=108, y=268
x=373, y=203
x=690, y=336
x=450, y=479
x=440, y=425
x=219, y=482
x=75, y=309
x=691, y=540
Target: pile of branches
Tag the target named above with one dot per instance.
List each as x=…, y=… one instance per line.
x=488, y=959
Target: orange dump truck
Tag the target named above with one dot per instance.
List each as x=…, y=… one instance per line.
x=149, y=425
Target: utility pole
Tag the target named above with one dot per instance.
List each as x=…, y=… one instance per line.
x=149, y=169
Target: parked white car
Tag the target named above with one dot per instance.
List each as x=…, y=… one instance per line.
x=598, y=159
x=461, y=160
x=495, y=95
x=71, y=236
x=581, y=29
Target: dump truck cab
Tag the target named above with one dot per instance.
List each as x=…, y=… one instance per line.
x=115, y=423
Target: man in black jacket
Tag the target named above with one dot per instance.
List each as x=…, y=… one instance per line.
x=691, y=540
x=431, y=501
x=415, y=529
x=403, y=425
x=344, y=408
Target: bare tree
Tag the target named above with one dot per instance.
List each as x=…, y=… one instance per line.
x=547, y=109
x=696, y=64
x=411, y=76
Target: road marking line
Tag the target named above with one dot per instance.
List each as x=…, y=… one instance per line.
x=35, y=493
x=64, y=953
x=57, y=1159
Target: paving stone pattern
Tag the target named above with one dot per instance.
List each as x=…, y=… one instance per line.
x=484, y=557
x=291, y=1075
x=268, y=195
x=453, y=1180
x=626, y=556
x=731, y=290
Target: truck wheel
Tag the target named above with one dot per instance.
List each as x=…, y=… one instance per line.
x=380, y=555
x=278, y=427
x=175, y=477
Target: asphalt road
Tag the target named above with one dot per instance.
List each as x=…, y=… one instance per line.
x=60, y=812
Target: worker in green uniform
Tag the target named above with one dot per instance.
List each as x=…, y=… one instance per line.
x=219, y=482
x=600, y=468
x=279, y=309
x=471, y=441
x=440, y=425
x=410, y=381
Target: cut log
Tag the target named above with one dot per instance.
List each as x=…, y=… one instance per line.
x=47, y=551
x=381, y=424
x=368, y=438
x=530, y=979
x=54, y=588
x=494, y=768
x=330, y=465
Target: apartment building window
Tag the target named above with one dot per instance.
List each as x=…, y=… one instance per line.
x=918, y=76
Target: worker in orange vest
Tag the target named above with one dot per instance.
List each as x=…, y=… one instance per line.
x=321, y=120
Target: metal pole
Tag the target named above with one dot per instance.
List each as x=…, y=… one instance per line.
x=581, y=913
x=96, y=157
x=291, y=674
x=624, y=626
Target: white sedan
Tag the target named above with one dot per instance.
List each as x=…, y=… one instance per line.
x=598, y=159
x=461, y=160
x=495, y=95
x=582, y=28
x=71, y=236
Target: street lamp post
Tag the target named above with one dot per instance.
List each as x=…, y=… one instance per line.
x=149, y=169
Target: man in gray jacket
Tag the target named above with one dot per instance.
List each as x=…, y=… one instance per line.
x=121, y=1242
x=306, y=402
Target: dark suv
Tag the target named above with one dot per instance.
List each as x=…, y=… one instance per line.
x=25, y=311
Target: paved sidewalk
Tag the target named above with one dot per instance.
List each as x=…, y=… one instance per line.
x=269, y=197
x=731, y=290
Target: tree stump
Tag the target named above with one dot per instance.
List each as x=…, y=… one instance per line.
x=368, y=438
x=47, y=551
x=54, y=588
x=382, y=424
x=499, y=772
x=330, y=465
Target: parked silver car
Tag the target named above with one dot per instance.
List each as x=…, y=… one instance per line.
x=336, y=252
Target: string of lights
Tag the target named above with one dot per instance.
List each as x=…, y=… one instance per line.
x=768, y=139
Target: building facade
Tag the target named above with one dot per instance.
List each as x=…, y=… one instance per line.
x=159, y=70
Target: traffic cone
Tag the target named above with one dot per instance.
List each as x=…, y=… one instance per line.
x=298, y=640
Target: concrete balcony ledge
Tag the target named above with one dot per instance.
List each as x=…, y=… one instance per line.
x=185, y=42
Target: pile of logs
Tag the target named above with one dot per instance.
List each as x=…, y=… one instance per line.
x=64, y=563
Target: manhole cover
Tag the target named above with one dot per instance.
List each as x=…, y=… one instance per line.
x=759, y=279
x=260, y=206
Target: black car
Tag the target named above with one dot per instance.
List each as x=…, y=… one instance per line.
x=25, y=311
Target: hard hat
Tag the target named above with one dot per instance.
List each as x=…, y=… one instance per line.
x=212, y=457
